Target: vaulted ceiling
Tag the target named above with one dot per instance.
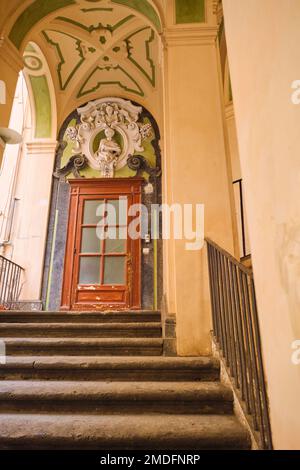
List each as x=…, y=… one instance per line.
x=94, y=48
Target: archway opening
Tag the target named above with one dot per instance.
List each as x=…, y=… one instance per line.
x=80, y=171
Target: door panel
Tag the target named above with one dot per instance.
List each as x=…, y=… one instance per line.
x=102, y=264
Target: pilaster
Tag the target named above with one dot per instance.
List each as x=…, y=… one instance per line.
x=35, y=192
x=195, y=172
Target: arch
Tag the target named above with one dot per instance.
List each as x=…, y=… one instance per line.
x=39, y=9
x=41, y=92
x=152, y=290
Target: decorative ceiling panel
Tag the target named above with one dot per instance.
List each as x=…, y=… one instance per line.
x=139, y=48
x=38, y=10
x=94, y=44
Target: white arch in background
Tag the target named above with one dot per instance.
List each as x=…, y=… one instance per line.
x=32, y=173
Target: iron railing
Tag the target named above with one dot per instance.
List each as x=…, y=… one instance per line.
x=236, y=332
x=239, y=182
x=10, y=280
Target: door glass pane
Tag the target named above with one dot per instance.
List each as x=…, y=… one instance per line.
x=90, y=211
x=89, y=270
x=90, y=242
x=118, y=206
x=116, y=240
x=114, y=270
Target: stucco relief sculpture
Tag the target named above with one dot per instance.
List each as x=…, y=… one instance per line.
x=108, y=154
x=116, y=122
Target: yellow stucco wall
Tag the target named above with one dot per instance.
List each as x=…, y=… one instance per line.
x=263, y=47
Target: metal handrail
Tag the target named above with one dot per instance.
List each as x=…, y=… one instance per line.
x=10, y=277
x=239, y=182
x=236, y=332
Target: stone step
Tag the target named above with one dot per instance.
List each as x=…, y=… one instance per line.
x=122, y=432
x=80, y=317
x=84, y=346
x=81, y=330
x=111, y=368
x=115, y=397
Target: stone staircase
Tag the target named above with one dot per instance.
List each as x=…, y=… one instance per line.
x=100, y=381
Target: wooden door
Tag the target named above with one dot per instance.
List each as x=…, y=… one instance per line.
x=102, y=272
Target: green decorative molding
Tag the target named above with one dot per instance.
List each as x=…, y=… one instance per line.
x=69, y=65
x=190, y=11
x=109, y=81
x=42, y=102
x=34, y=13
x=32, y=62
x=41, y=8
x=77, y=42
x=143, y=7
x=121, y=22
x=130, y=49
x=91, y=28
x=87, y=10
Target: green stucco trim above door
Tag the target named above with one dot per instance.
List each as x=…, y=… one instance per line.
x=190, y=11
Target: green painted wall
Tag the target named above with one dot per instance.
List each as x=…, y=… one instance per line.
x=190, y=11
x=34, y=13
x=42, y=104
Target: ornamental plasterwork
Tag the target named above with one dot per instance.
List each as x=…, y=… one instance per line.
x=102, y=45
x=34, y=61
x=109, y=132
